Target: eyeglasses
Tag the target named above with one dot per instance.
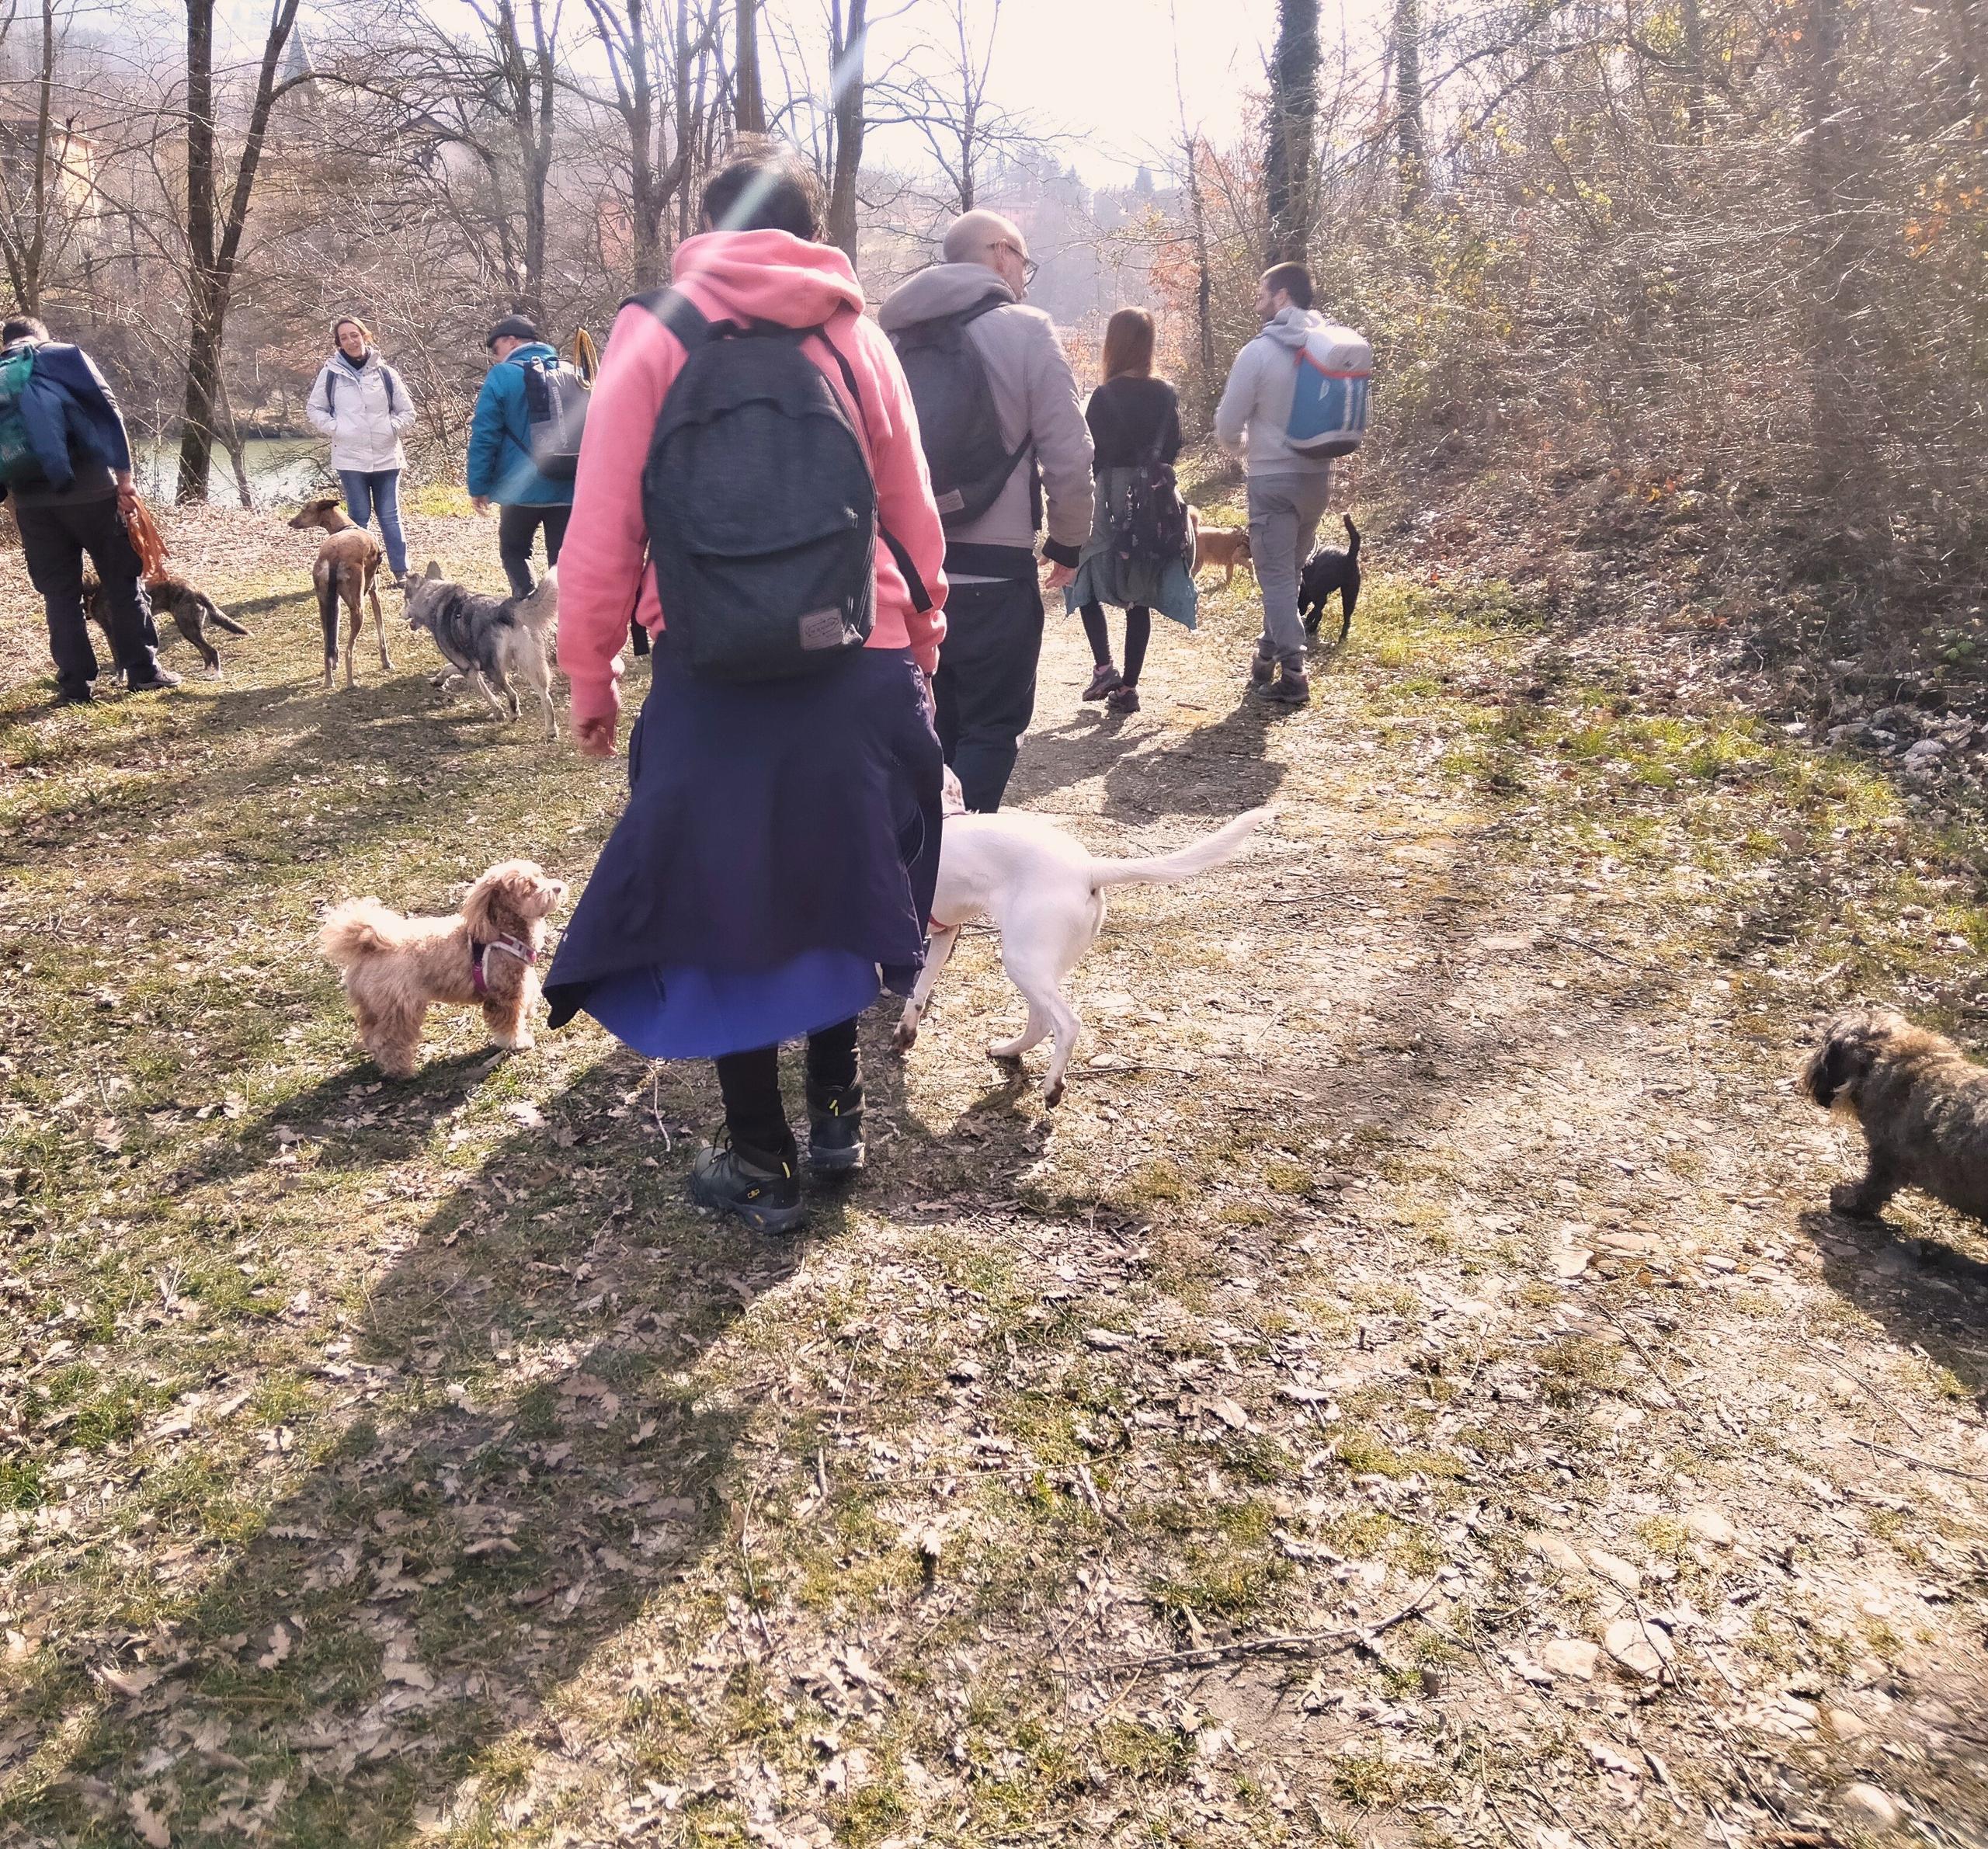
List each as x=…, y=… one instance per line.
x=1031, y=269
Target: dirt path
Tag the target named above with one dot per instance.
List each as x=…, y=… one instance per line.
x=1412, y=1391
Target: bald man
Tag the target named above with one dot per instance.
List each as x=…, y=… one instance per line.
x=1003, y=433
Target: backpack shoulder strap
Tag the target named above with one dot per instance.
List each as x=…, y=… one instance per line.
x=679, y=314
x=921, y=599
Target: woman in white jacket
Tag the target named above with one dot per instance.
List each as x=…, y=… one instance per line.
x=360, y=403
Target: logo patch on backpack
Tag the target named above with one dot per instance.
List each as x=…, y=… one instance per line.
x=823, y=629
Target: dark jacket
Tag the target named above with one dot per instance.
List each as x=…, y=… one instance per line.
x=1134, y=421
x=72, y=419
x=500, y=463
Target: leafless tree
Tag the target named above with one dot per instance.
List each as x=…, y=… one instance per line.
x=1289, y=162
x=946, y=98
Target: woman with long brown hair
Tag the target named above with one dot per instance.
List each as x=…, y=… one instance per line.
x=1134, y=422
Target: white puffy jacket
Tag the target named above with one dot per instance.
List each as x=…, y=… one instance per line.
x=363, y=412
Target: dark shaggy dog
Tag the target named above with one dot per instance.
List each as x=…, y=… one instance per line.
x=1329, y=569
x=487, y=639
x=1922, y=1103
x=192, y=611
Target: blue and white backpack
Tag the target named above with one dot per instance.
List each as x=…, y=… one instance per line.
x=1335, y=378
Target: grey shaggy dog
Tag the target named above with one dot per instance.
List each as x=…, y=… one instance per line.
x=1921, y=1102
x=486, y=640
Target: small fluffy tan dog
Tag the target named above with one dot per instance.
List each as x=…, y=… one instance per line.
x=394, y=968
x=1921, y=1102
x=1228, y=546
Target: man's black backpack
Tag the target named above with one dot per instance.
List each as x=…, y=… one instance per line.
x=957, y=423
x=760, y=503
x=1150, y=527
x=556, y=399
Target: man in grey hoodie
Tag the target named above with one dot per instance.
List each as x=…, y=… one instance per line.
x=985, y=689
x=1288, y=492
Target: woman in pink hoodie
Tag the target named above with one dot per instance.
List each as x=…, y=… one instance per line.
x=780, y=845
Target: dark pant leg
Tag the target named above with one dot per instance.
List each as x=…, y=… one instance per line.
x=555, y=531
x=54, y=559
x=1097, y=634
x=750, y=1083
x=986, y=685
x=133, y=640
x=1138, y=632
x=516, y=527
x=832, y=1060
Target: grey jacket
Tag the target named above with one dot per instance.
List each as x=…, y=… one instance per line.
x=363, y=412
x=1255, y=409
x=1034, y=396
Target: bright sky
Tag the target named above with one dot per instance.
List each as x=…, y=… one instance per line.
x=1100, y=73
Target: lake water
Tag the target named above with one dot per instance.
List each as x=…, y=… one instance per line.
x=280, y=468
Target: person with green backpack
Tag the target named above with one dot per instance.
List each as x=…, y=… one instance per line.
x=65, y=466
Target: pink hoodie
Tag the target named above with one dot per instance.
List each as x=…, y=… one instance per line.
x=766, y=275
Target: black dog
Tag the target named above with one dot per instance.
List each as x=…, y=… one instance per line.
x=1328, y=570
x=191, y=609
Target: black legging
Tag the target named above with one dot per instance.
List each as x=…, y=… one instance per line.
x=750, y=1084
x=1138, y=632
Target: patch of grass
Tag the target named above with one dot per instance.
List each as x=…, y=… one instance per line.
x=1575, y=1369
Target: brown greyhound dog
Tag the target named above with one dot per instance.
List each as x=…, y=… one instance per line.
x=347, y=568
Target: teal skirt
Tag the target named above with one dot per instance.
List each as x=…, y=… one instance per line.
x=1104, y=578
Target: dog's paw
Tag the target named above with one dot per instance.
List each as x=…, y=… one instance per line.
x=1054, y=1096
x=1848, y=1200
x=905, y=1037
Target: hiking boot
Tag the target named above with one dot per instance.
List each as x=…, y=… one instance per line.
x=1103, y=680
x=1290, y=689
x=760, y=1188
x=1122, y=700
x=835, y=1128
x=1262, y=668
x=158, y=681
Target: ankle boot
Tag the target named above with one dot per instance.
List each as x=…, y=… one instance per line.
x=759, y=1186
x=835, y=1128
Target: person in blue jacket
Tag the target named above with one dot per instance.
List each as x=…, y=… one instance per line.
x=500, y=464
x=65, y=463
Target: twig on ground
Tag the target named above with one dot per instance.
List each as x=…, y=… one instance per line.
x=1970, y=1476
x=1649, y=1360
x=1857, y=1379
x=1296, y=1641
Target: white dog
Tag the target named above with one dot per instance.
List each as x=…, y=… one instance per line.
x=1045, y=894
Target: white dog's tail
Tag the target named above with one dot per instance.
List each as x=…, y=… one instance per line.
x=356, y=929
x=543, y=605
x=1169, y=870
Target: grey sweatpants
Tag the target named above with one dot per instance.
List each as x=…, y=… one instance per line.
x=1284, y=513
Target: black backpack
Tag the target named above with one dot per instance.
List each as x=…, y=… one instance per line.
x=1151, y=527
x=957, y=424
x=556, y=399
x=759, y=502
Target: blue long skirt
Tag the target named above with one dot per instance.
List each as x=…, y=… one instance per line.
x=774, y=867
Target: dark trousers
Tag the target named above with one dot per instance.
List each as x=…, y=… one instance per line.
x=516, y=528
x=750, y=1084
x=985, y=689
x=54, y=536
x=1138, y=632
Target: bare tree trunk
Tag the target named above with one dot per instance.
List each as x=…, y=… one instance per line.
x=1412, y=154
x=845, y=84
x=750, y=111
x=1204, y=282
x=27, y=246
x=1294, y=108
x=211, y=262
x=1694, y=70
x=1830, y=281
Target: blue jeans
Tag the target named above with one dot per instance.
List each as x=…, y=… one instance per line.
x=380, y=490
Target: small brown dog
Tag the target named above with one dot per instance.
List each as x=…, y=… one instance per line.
x=192, y=611
x=348, y=567
x=1922, y=1103
x=394, y=968
x=1226, y=546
